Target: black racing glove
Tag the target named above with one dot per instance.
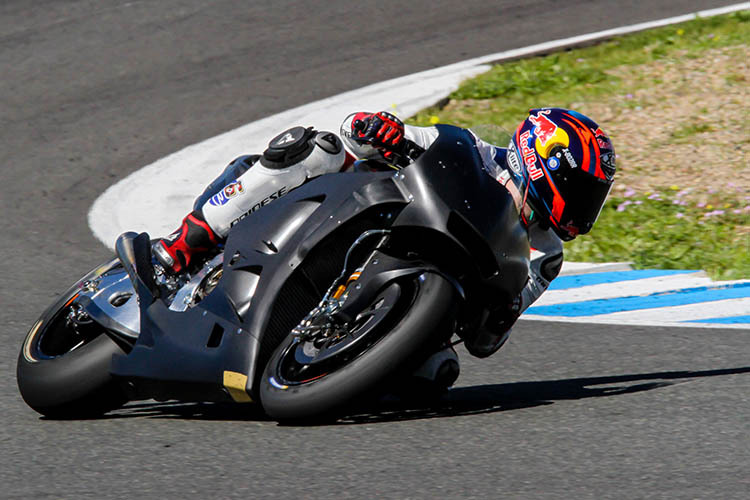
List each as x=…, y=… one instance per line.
x=385, y=132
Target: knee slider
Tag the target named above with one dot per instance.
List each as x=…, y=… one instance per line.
x=551, y=267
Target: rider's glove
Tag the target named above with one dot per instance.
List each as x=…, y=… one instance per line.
x=383, y=131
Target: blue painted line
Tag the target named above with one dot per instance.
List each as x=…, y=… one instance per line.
x=579, y=280
x=653, y=301
x=731, y=320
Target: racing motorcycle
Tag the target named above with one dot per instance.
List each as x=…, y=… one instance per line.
x=319, y=299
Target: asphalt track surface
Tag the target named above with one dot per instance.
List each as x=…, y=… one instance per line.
x=92, y=90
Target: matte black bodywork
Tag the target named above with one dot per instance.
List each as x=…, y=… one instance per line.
x=279, y=262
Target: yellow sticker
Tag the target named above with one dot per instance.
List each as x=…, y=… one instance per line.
x=235, y=383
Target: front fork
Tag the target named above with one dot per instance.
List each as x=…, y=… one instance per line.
x=349, y=275
x=327, y=314
x=353, y=290
x=378, y=270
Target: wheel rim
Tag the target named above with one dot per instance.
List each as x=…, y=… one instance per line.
x=68, y=329
x=305, y=361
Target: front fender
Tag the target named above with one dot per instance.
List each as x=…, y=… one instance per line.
x=381, y=270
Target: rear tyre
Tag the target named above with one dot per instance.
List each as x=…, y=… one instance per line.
x=63, y=371
x=399, y=330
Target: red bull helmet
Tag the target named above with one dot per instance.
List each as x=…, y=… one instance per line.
x=565, y=165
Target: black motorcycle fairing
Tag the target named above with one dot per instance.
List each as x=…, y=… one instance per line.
x=455, y=196
x=223, y=333
x=290, y=251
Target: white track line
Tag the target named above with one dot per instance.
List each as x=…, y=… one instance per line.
x=688, y=312
x=155, y=197
x=676, y=316
x=634, y=288
x=594, y=320
x=576, y=268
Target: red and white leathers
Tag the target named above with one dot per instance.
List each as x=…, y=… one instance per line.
x=248, y=183
x=269, y=180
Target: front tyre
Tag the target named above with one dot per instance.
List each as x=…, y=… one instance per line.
x=408, y=318
x=63, y=368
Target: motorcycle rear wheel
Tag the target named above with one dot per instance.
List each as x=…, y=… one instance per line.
x=419, y=316
x=62, y=374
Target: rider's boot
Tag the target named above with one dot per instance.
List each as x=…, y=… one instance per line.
x=187, y=245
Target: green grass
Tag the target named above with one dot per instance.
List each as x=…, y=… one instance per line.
x=660, y=234
x=510, y=89
x=651, y=233
x=690, y=130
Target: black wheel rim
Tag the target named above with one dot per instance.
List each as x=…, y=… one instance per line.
x=306, y=361
x=60, y=335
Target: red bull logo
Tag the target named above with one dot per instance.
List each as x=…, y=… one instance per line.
x=544, y=128
x=547, y=133
x=529, y=157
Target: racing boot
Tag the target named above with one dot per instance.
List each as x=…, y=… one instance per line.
x=187, y=246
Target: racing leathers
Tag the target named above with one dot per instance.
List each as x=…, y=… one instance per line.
x=299, y=154
x=246, y=184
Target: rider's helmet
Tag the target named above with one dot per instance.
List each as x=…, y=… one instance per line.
x=564, y=165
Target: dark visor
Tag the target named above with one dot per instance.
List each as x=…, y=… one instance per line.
x=585, y=198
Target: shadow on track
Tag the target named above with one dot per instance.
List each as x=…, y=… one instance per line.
x=456, y=402
x=502, y=397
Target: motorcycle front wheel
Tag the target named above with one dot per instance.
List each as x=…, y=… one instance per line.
x=314, y=379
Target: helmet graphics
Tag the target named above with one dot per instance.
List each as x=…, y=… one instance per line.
x=566, y=165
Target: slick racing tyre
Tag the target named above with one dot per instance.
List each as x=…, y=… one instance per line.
x=313, y=379
x=63, y=367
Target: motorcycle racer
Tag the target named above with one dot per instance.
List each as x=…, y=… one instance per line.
x=558, y=167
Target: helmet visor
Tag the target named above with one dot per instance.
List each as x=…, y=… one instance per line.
x=585, y=197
